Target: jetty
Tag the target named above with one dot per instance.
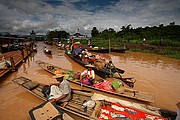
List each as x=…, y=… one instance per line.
x=14, y=58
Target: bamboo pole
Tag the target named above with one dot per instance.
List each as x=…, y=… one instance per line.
x=109, y=45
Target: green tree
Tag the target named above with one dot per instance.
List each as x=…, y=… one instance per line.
x=57, y=34
x=33, y=35
x=94, y=32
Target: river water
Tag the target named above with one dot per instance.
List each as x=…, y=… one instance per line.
x=155, y=74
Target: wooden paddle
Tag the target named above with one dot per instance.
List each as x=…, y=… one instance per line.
x=116, y=69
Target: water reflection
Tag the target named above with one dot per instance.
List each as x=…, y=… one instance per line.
x=155, y=74
x=74, y=65
x=147, y=58
x=49, y=56
x=24, y=68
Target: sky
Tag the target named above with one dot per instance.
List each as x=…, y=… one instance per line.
x=23, y=16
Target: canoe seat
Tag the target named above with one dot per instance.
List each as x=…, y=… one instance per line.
x=30, y=85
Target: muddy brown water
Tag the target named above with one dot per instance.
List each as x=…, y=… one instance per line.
x=155, y=74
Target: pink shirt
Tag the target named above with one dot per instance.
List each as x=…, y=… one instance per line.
x=87, y=72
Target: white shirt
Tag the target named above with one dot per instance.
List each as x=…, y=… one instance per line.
x=65, y=88
x=178, y=114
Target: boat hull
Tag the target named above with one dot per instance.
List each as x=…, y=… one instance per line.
x=118, y=50
x=104, y=73
x=127, y=93
x=99, y=50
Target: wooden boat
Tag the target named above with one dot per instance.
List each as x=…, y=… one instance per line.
x=14, y=58
x=85, y=106
x=128, y=93
x=104, y=73
x=48, y=42
x=106, y=50
x=34, y=49
x=128, y=81
x=47, y=51
x=47, y=111
x=99, y=50
x=118, y=50
x=92, y=48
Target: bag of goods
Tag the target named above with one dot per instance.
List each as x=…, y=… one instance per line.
x=76, y=75
x=100, y=63
x=118, y=86
x=58, y=72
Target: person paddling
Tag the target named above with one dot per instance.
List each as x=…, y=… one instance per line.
x=178, y=111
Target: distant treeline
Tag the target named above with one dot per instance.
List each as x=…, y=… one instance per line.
x=169, y=35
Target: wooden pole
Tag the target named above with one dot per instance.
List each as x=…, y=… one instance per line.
x=109, y=45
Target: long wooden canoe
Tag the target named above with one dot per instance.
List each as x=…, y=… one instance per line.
x=106, y=50
x=99, y=50
x=85, y=106
x=16, y=57
x=129, y=93
x=119, y=50
x=104, y=73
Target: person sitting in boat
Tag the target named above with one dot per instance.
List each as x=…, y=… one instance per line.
x=45, y=49
x=88, y=75
x=178, y=111
x=76, y=49
x=60, y=92
x=68, y=48
x=88, y=53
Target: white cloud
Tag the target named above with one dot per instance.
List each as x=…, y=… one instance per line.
x=22, y=16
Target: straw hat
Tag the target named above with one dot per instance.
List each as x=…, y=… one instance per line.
x=89, y=65
x=77, y=43
x=178, y=105
x=58, y=76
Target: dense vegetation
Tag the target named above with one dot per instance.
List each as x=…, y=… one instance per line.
x=170, y=34
x=160, y=39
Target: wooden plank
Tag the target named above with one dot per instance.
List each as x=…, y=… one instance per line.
x=39, y=93
x=75, y=110
x=80, y=108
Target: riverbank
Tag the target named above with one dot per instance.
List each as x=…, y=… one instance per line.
x=173, y=52
x=169, y=51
